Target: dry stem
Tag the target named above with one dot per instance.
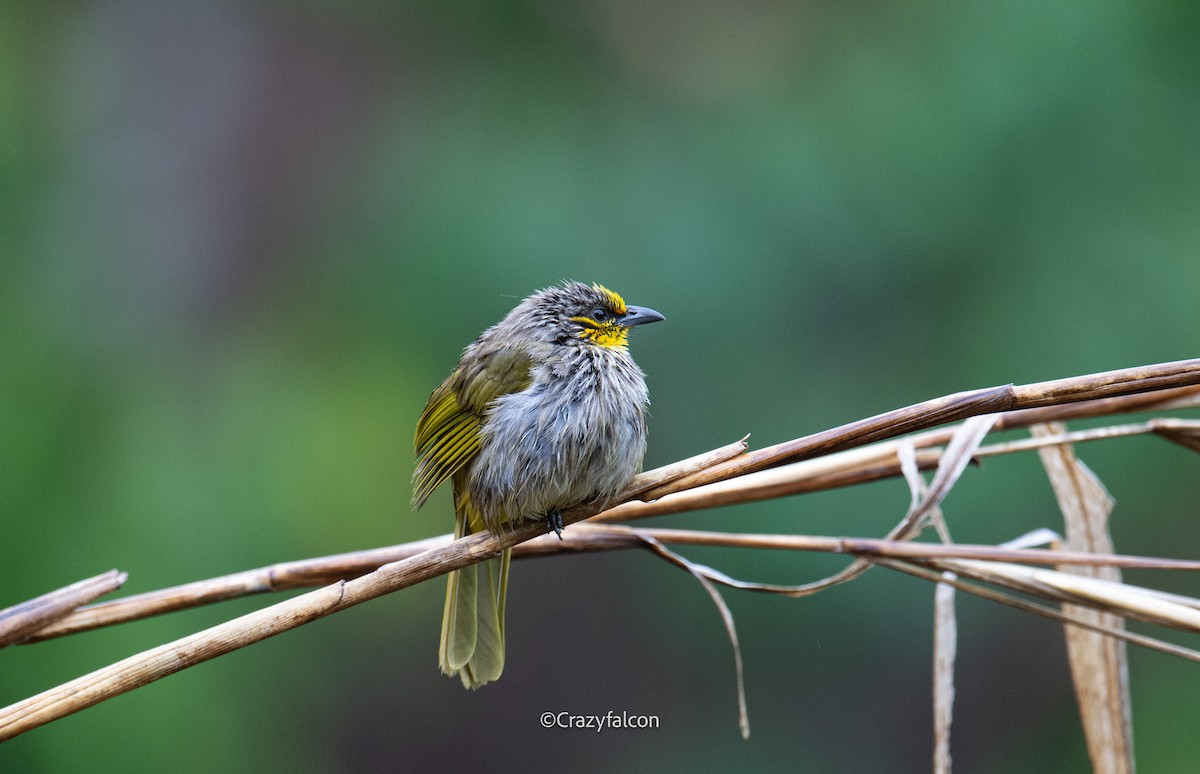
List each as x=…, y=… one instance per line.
x=1106, y=393
x=844, y=468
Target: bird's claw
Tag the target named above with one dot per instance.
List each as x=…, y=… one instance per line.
x=554, y=522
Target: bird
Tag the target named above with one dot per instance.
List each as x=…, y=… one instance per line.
x=544, y=411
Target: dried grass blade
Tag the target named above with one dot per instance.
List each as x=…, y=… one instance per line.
x=992, y=595
x=923, y=508
x=954, y=459
x=705, y=575
x=1181, y=431
x=945, y=650
x=1123, y=598
x=1099, y=664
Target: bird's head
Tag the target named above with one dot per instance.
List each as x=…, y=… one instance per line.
x=574, y=311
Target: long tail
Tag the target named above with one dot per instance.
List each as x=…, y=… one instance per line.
x=472, y=644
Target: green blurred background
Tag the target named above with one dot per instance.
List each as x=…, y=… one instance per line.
x=243, y=241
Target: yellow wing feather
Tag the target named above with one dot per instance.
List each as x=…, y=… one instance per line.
x=447, y=438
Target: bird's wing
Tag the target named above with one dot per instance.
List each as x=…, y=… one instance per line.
x=447, y=434
x=447, y=437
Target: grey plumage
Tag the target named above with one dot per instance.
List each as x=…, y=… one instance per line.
x=545, y=410
x=576, y=433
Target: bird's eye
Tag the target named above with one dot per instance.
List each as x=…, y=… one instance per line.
x=599, y=315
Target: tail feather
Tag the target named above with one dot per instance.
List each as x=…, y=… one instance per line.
x=472, y=644
x=487, y=662
x=459, y=620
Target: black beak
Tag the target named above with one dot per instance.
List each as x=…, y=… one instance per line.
x=639, y=315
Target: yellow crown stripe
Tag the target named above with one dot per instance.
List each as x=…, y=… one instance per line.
x=614, y=299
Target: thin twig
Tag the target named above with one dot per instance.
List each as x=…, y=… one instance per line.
x=874, y=462
x=836, y=470
x=984, y=592
x=156, y=663
x=18, y=622
x=306, y=573
x=952, y=408
x=147, y=667
x=870, y=463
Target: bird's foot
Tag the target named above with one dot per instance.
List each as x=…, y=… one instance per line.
x=554, y=522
